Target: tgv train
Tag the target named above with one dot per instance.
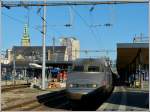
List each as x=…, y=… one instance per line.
x=89, y=76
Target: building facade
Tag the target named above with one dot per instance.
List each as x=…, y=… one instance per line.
x=21, y=59
x=73, y=47
x=34, y=53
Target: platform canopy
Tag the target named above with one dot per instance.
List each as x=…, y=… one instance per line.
x=128, y=52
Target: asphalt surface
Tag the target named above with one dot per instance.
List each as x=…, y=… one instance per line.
x=126, y=99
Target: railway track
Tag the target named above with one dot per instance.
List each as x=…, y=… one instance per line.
x=52, y=102
x=12, y=87
x=49, y=101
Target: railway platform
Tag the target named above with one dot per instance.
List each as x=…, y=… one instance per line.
x=125, y=98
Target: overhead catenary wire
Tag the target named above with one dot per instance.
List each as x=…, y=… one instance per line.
x=112, y=14
x=47, y=24
x=27, y=16
x=22, y=22
x=96, y=26
x=91, y=21
x=66, y=25
x=85, y=22
x=52, y=26
x=13, y=18
x=71, y=16
x=18, y=20
x=33, y=27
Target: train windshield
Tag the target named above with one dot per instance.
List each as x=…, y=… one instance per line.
x=93, y=69
x=78, y=68
x=86, y=68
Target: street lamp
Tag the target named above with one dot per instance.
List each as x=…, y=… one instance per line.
x=44, y=48
x=14, y=66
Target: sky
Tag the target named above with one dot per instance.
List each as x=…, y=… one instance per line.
x=127, y=21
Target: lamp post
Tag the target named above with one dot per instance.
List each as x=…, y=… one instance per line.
x=14, y=67
x=43, y=45
x=2, y=61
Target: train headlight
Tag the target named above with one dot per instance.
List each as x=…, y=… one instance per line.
x=91, y=85
x=70, y=85
x=94, y=85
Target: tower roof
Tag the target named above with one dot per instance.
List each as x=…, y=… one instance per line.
x=26, y=33
x=25, y=41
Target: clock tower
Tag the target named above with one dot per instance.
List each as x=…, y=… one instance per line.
x=25, y=41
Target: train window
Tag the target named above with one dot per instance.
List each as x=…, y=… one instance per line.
x=78, y=68
x=93, y=69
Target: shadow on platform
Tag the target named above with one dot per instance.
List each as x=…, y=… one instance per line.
x=56, y=100
x=134, y=99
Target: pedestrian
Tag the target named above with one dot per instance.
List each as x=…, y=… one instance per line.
x=35, y=80
x=132, y=80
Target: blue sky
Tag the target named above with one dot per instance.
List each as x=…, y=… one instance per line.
x=127, y=20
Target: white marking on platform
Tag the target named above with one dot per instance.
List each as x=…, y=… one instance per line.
x=123, y=100
x=106, y=105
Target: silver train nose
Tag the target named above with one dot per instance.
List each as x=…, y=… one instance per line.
x=76, y=94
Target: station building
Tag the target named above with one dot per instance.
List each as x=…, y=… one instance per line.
x=133, y=59
x=21, y=57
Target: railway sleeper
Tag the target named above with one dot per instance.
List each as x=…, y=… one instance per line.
x=42, y=99
x=12, y=107
x=5, y=89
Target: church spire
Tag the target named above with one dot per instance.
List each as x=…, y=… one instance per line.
x=26, y=33
x=25, y=41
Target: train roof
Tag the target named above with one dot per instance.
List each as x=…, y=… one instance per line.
x=93, y=61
